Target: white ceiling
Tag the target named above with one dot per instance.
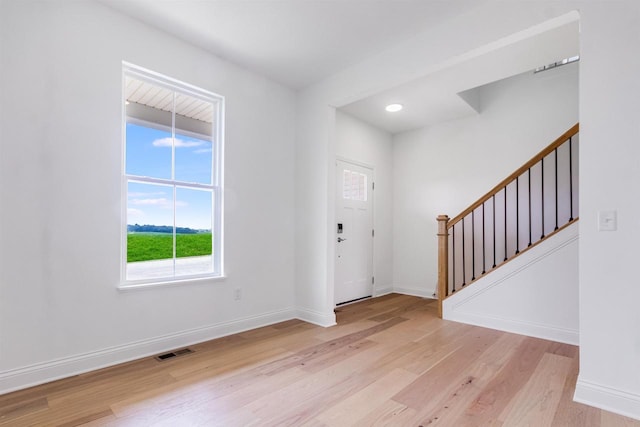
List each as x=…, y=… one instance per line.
x=453, y=92
x=294, y=42
x=300, y=42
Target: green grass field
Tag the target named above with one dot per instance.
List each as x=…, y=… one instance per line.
x=151, y=246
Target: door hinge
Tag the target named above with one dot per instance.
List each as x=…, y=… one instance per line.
x=373, y=233
x=373, y=185
x=373, y=280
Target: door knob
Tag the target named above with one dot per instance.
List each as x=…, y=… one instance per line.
x=340, y=239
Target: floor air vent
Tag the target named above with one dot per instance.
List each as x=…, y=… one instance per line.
x=172, y=354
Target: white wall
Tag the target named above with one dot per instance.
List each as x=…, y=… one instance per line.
x=60, y=311
x=444, y=168
x=361, y=142
x=609, y=336
x=610, y=177
x=314, y=210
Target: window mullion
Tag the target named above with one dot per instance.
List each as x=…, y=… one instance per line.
x=184, y=184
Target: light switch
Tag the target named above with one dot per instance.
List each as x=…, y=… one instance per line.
x=607, y=221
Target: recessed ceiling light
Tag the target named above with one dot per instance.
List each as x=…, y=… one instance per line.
x=392, y=108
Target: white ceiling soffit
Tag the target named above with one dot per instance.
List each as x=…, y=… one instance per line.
x=294, y=42
x=452, y=92
x=160, y=98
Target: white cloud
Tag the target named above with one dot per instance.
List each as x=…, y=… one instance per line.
x=202, y=150
x=161, y=202
x=166, y=142
x=145, y=194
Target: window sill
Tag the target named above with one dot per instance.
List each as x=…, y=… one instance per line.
x=136, y=286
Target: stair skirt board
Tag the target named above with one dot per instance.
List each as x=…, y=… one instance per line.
x=530, y=329
x=507, y=280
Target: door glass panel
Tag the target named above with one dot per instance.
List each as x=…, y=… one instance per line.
x=354, y=186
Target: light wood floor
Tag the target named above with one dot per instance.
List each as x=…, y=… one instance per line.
x=390, y=361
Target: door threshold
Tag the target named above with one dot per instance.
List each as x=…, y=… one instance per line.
x=353, y=300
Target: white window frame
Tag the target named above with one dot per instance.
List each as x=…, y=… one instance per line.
x=217, y=179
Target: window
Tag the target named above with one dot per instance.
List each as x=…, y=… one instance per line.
x=172, y=180
x=354, y=186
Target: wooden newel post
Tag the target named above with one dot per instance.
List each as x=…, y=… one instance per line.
x=443, y=260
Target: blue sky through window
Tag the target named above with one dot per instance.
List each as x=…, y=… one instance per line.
x=148, y=152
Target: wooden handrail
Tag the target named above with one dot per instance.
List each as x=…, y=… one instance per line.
x=535, y=159
x=444, y=224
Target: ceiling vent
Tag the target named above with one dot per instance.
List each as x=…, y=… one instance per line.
x=557, y=64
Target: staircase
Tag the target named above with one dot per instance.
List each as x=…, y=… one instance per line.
x=527, y=210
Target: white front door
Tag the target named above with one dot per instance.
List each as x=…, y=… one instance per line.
x=353, y=232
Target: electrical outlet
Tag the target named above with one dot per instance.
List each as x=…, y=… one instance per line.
x=237, y=294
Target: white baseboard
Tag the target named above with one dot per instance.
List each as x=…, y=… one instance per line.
x=378, y=292
x=530, y=329
x=607, y=398
x=316, y=317
x=416, y=292
x=20, y=378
